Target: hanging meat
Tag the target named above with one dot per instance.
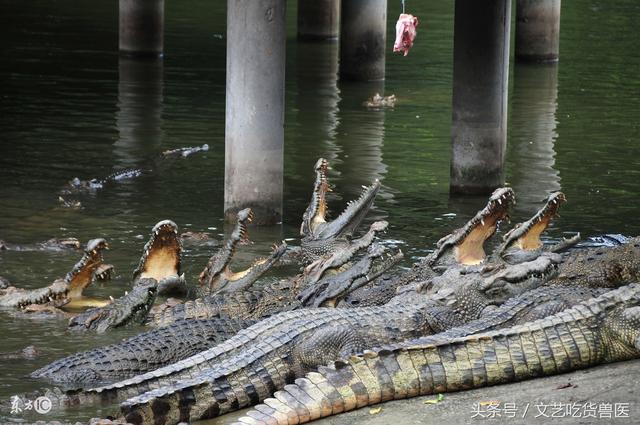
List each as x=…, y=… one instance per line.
x=405, y=33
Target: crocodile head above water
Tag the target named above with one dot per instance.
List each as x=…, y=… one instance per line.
x=320, y=236
x=523, y=241
x=465, y=246
x=83, y=272
x=217, y=277
x=161, y=256
x=62, y=291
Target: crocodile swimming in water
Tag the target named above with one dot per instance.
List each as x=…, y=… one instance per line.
x=48, y=245
x=159, y=265
x=76, y=186
x=599, y=330
x=61, y=291
x=184, y=152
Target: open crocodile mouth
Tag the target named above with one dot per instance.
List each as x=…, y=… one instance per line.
x=161, y=255
x=218, y=266
x=468, y=241
x=83, y=272
x=314, y=220
x=317, y=210
x=526, y=236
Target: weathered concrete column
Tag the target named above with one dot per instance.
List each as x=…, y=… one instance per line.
x=363, y=36
x=537, y=30
x=254, y=130
x=318, y=19
x=141, y=27
x=480, y=81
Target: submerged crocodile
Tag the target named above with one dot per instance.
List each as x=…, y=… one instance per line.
x=48, y=245
x=75, y=185
x=600, y=330
x=184, y=152
x=159, y=266
x=61, y=291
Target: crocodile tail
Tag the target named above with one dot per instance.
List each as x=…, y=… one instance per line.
x=553, y=345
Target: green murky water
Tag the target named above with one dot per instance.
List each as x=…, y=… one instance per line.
x=71, y=107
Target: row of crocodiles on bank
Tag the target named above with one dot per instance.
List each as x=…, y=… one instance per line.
x=347, y=331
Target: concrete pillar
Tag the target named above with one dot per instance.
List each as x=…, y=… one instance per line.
x=537, y=30
x=139, y=113
x=363, y=37
x=318, y=19
x=532, y=134
x=141, y=27
x=480, y=81
x=254, y=130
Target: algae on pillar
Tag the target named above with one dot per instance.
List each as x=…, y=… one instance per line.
x=254, y=128
x=480, y=81
x=141, y=27
x=363, y=37
x=318, y=19
x=537, y=30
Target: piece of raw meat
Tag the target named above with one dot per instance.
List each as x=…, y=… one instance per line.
x=405, y=33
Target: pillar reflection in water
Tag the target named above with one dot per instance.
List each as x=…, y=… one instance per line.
x=360, y=137
x=533, y=134
x=139, y=115
x=316, y=102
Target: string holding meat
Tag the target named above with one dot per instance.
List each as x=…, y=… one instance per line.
x=405, y=33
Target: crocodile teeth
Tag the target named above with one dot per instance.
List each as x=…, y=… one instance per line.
x=111, y=298
x=482, y=221
x=500, y=201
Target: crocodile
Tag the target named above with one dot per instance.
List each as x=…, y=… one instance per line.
x=455, y=249
x=131, y=308
x=466, y=245
x=602, y=266
x=76, y=185
x=184, y=152
x=273, y=297
x=206, y=385
x=522, y=242
x=183, y=338
x=217, y=277
x=141, y=353
x=62, y=291
x=159, y=266
x=161, y=259
x=599, y=330
x=319, y=236
x=48, y=245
